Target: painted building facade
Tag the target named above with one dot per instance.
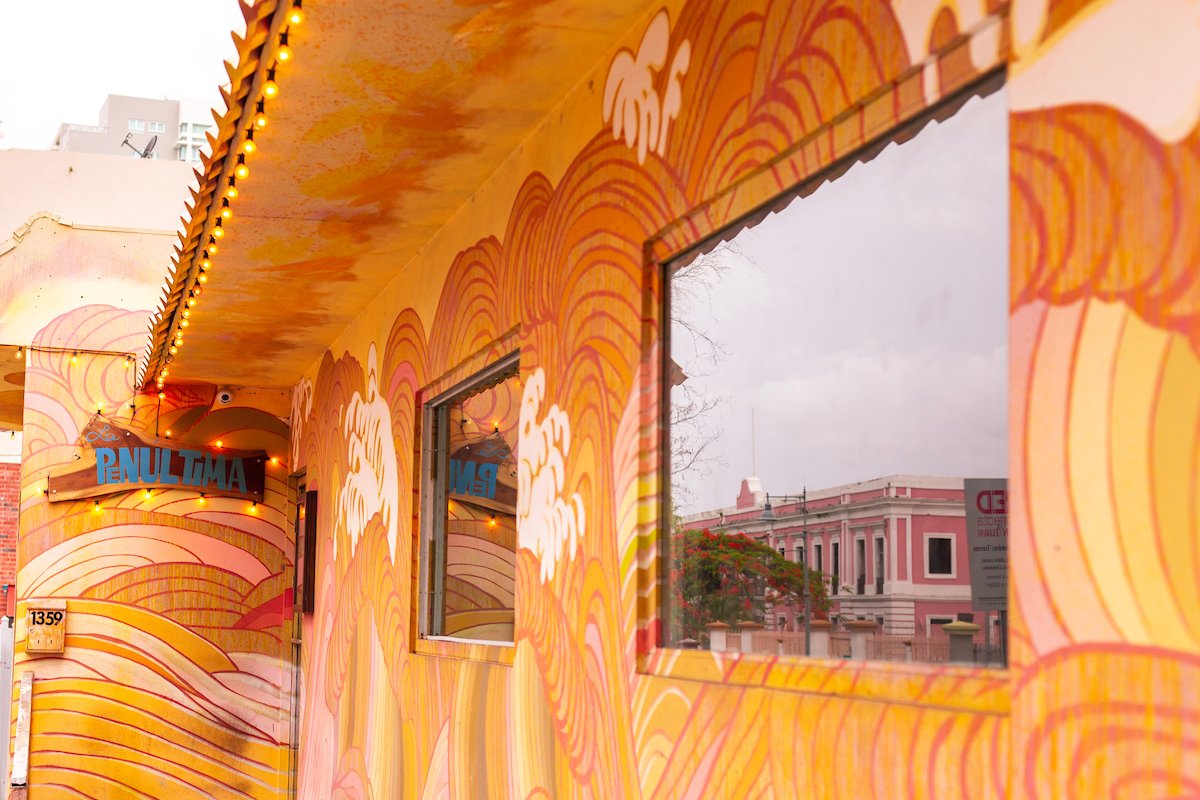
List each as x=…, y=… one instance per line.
x=511, y=178
x=893, y=549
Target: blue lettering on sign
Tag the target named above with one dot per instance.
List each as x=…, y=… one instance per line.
x=464, y=480
x=154, y=465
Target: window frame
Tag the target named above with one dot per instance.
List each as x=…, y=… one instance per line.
x=719, y=218
x=430, y=568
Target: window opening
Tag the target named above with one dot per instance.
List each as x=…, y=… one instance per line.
x=469, y=522
x=851, y=337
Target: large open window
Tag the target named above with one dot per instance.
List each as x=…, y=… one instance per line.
x=836, y=377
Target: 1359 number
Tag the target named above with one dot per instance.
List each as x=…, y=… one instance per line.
x=45, y=617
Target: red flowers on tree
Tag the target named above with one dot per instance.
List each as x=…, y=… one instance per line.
x=730, y=578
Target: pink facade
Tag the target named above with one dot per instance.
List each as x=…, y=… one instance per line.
x=893, y=548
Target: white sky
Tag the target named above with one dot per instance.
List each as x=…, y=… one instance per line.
x=865, y=325
x=59, y=59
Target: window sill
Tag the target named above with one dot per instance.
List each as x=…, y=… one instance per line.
x=466, y=649
x=974, y=689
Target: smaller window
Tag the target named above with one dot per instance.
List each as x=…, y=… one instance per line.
x=783, y=552
x=469, y=531
x=818, y=564
x=158, y=127
x=939, y=555
x=137, y=124
x=199, y=129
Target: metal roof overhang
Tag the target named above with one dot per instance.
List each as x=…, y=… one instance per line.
x=389, y=116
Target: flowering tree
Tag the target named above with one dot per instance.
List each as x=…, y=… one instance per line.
x=729, y=577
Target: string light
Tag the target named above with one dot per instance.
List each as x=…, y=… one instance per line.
x=248, y=146
x=20, y=354
x=173, y=349
x=146, y=494
x=168, y=433
x=219, y=444
x=161, y=395
x=75, y=357
x=202, y=277
x=226, y=211
x=218, y=231
x=183, y=323
x=231, y=191
x=270, y=88
x=187, y=312
x=96, y=507
x=283, y=52
x=128, y=362
x=202, y=499
x=274, y=459
x=212, y=246
x=254, y=508
x=492, y=521
x=296, y=15
x=260, y=115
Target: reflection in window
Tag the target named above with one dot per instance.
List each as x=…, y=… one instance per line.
x=837, y=376
x=472, y=533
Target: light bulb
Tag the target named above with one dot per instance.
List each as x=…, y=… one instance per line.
x=254, y=508
x=248, y=146
x=172, y=349
x=260, y=117
x=206, y=263
x=231, y=192
x=74, y=358
x=184, y=323
x=212, y=247
x=20, y=354
x=284, y=53
x=202, y=277
x=226, y=211
x=202, y=499
x=191, y=301
x=162, y=395
x=218, y=232
x=270, y=89
x=242, y=171
x=296, y=15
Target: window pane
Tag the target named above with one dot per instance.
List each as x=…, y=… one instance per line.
x=837, y=371
x=478, y=535
x=941, y=561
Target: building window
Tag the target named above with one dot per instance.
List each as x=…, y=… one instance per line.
x=880, y=565
x=831, y=314
x=818, y=564
x=158, y=127
x=469, y=532
x=137, y=124
x=939, y=555
x=835, y=565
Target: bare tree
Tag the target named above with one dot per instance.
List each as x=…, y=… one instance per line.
x=693, y=429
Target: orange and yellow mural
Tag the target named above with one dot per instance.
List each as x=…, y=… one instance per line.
x=174, y=679
x=701, y=114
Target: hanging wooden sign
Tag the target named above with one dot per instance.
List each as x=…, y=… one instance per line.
x=116, y=459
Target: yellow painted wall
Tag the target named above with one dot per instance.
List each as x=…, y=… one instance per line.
x=1102, y=697
x=174, y=681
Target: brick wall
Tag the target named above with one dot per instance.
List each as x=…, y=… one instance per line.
x=10, y=499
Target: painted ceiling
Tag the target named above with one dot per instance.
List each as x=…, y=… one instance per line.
x=388, y=117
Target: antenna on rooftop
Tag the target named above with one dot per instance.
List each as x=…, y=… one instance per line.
x=141, y=153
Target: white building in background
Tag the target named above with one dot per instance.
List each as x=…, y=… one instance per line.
x=176, y=127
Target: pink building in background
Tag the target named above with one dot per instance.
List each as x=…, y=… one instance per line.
x=894, y=549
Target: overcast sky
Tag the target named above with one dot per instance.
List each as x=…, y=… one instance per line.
x=865, y=325
x=59, y=59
